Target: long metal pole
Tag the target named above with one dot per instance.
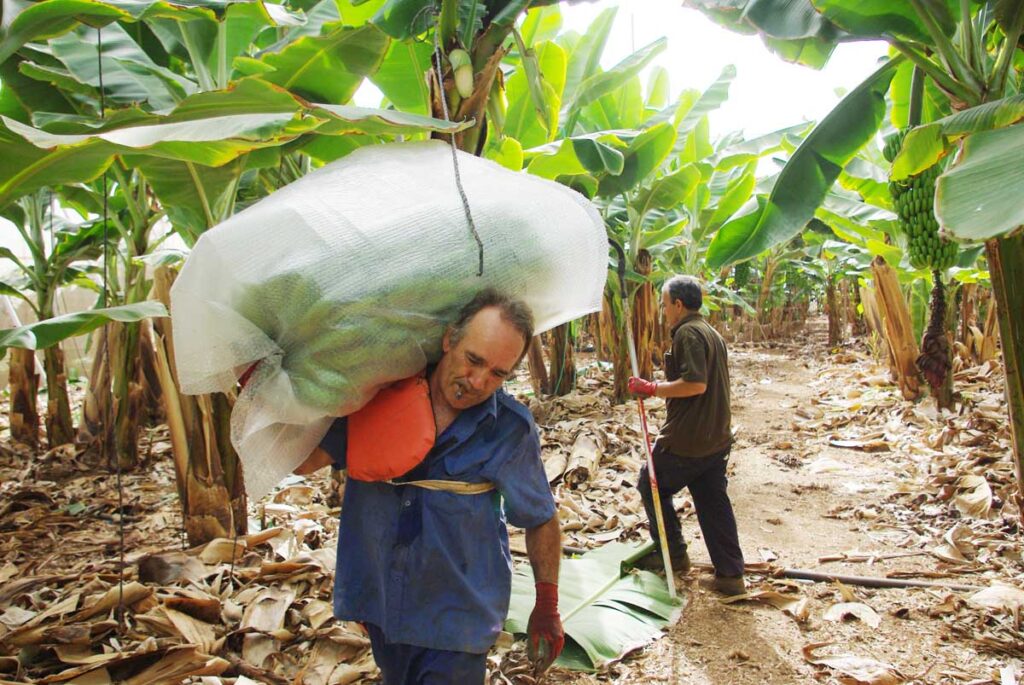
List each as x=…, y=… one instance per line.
x=652, y=476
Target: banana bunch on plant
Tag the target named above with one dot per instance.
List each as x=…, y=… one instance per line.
x=914, y=199
x=741, y=275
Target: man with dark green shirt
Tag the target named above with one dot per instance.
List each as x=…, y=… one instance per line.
x=692, y=450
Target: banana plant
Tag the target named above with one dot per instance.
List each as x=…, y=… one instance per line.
x=969, y=53
x=196, y=100
x=61, y=253
x=123, y=391
x=596, y=131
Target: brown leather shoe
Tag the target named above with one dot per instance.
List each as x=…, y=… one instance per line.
x=654, y=562
x=726, y=585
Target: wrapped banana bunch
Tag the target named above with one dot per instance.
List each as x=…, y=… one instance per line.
x=344, y=282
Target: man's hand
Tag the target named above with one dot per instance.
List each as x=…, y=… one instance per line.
x=316, y=460
x=641, y=387
x=545, y=637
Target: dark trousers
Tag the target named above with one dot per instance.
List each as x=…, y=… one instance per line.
x=706, y=479
x=409, y=665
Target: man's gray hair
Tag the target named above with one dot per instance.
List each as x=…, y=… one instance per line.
x=513, y=311
x=687, y=290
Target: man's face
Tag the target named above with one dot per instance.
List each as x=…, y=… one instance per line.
x=674, y=309
x=472, y=369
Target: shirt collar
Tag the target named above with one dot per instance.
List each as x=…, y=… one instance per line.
x=488, y=407
x=469, y=420
x=688, y=317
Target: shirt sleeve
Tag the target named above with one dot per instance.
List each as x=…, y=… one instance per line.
x=691, y=357
x=523, y=484
x=335, y=443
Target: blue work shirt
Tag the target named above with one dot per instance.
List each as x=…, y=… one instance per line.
x=431, y=568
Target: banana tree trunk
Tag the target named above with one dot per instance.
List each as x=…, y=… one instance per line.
x=873, y=319
x=96, y=406
x=766, y=289
x=59, y=426
x=23, y=379
x=1006, y=266
x=645, y=317
x=209, y=473
x=899, y=332
x=990, y=333
x=150, y=375
x=967, y=294
x=538, y=371
x=613, y=330
x=562, y=376
x=129, y=398
x=835, y=330
x=852, y=322
x=606, y=337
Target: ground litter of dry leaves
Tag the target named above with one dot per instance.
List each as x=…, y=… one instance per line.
x=833, y=472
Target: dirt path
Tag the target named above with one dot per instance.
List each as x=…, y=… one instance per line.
x=797, y=499
x=829, y=462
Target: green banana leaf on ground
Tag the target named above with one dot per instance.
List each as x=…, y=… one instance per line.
x=608, y=609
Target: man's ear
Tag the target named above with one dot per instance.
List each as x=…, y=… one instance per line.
x=446, y=340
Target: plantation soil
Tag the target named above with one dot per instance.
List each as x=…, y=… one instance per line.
x=832, y=472
x=797, y=501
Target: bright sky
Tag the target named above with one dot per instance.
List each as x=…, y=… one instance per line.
x=767, y=94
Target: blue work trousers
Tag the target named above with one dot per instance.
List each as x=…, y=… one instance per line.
x=410, y=665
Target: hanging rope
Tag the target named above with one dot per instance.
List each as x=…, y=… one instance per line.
x=107, y=432
x=451, y=138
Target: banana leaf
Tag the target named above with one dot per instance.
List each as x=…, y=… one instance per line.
x=807, y=177
x=43, y=334
x=129, y=74
x=49, y=19
x=210, y=45
x=979, y=198
x=607, y=610
x=605, y=82
x=540, y=24
x=710, y=100
x=401, y=76
x=644, y=155
x=208, y=129
x=325, y=68
x=27, y=167
x=925, y=145
x=876, y=18
x=793, y=29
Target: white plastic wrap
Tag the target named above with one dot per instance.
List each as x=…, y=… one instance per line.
x=344, y=281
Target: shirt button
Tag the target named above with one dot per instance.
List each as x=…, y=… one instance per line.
x=407, y=503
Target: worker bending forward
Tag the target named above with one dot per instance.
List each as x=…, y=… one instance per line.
x=428, y=572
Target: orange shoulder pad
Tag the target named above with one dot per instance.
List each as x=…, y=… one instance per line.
x=393, y=433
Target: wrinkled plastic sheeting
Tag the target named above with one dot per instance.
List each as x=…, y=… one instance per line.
x=345, y=280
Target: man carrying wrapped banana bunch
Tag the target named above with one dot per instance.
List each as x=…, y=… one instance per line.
x=423, y=552
x=290, y=294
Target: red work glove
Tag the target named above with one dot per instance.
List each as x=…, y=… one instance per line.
x=641, y=387
x=545, y=637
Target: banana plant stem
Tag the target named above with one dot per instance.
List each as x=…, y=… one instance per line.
x=946, y=50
